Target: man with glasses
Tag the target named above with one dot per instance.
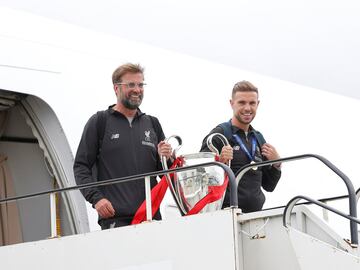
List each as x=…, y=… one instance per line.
x=118, y=142
x=247, y=146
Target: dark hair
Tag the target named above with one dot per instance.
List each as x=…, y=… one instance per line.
x=126, y=68
x=244, y=86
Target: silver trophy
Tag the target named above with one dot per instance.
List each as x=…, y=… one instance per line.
x=190, y=186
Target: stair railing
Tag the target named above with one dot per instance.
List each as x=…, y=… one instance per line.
x=290, y=205
x=146, y=176
x=350, y=187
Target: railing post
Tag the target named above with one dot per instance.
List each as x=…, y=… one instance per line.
x=53, y=230
x=148, y=198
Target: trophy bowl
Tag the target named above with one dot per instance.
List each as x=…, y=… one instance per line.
x=190, y=186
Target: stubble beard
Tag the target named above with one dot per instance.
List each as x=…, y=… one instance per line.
x=130, y=104
x=238, y=117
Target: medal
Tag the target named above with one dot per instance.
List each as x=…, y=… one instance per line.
x=254, y=168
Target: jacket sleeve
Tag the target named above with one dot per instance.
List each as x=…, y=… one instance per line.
x=85, y=160
x=271, y=177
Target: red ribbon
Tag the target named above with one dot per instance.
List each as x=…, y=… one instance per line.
x=157, y=195
x=158, y=192
x=215, y=193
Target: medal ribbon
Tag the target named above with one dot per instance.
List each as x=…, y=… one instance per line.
x=243, y=147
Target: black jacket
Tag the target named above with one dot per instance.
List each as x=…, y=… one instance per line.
x=250, y=196
x=126, y=149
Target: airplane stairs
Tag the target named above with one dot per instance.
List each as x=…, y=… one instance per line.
x=225, y=239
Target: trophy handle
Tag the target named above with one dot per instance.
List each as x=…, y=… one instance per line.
x=212, y=147
x=167, y=176
x=210, y=144
x=179, y=140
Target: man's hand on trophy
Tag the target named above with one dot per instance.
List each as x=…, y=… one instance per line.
x=164, y=149
x=226, y=154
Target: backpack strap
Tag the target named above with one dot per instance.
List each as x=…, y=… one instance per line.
x=259, y=137
x=100, y=127
x=226, y=126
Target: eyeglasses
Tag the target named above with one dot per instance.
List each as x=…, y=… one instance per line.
x=132, y=85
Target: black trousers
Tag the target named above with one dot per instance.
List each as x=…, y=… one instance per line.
x=114, y=222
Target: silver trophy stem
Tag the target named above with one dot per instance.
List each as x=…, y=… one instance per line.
x=167, y=176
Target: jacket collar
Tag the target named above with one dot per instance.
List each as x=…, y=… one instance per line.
x=235, y=129
x=112, y=111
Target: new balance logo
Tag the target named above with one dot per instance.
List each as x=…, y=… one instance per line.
x=114, y=136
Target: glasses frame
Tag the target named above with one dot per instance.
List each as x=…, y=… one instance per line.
x=140, y=85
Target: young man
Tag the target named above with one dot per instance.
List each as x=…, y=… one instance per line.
x=119, y=142
x=247, y=146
